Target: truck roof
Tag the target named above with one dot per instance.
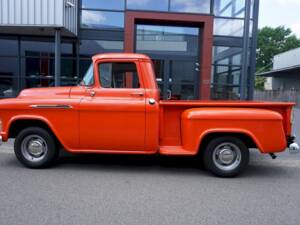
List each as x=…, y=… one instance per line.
x=121, y=56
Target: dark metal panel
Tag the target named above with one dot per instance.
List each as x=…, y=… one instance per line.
x=228, y=41
x=110, y=35
x=243, y=81
x=253, y=50
x=57, y=56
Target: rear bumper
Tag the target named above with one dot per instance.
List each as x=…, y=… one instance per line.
x=293, y=145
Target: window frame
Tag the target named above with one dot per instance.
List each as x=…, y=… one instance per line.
x=134, y=61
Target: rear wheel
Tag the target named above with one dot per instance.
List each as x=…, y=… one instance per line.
x=35, y=147
x=226, y=156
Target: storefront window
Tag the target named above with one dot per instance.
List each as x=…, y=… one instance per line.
x=9, y=72
x=232, y=55
x=102, y=19
x=156, y=5
x=8, y=47
x=229, y=27
x=230, y=8
x=103, y=4
x=84, y=65
x=190, y=6
x=89, y=48
x=162, y=39
x=225, y=92
x=8, y=87
x=8, y=66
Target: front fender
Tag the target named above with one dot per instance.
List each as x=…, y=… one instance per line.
x=264, y=127
x=62, y=134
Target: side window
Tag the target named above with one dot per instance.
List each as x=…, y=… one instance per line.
x=118, y=75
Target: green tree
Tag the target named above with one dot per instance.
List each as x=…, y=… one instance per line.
x=260, y=83
x=272, y=41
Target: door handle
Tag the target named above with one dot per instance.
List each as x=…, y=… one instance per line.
x=140, y=94
x=151, y=101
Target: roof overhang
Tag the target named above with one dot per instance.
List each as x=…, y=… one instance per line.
x=36, y=30
x=294, y=70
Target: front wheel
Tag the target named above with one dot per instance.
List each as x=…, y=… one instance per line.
x=226, y=156
x=35, y=147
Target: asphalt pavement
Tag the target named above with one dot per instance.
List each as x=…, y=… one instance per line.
x=102, y=189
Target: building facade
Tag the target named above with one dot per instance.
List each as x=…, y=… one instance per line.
x=201, y=49
x=285, y=74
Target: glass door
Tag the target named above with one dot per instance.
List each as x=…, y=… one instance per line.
x=175, y=54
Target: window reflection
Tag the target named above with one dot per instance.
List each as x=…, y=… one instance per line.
x=9, y=71
x=227, y=55
x=8, y=87
x=190, y=6
x=161, y=39
x=102, y=19
x=229, y=27
x=102, y=4
x=8, y=67
x=225, y=92
x=229, y=8
x=8, y=47
x=157, y=5
x=89, y=48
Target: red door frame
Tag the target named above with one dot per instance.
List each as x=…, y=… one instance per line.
x=205, y=45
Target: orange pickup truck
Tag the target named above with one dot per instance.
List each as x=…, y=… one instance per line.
x=117, y=109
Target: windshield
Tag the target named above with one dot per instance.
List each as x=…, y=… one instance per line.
x=88, y=78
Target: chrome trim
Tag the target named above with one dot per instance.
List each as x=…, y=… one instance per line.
x=51, y=106
x=1, y=140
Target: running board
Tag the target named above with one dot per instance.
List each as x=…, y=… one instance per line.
x=174, y=150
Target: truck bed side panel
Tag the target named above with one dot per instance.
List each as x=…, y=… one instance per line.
x=171, y=114
x=263, y=126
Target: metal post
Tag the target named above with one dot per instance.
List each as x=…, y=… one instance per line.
x=20, y=76
x=212, y=4
x=57, y=56
x=243, y=81
x=253, y=50
x=78, y=60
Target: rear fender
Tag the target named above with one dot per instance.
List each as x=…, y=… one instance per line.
x=264, y=127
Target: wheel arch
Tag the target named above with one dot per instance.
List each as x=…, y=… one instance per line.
x=247, y=137
x=19, y=123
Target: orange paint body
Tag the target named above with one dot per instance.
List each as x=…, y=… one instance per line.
x=107, y=120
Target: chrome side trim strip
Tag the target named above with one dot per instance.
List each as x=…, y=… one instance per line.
x=51, y=106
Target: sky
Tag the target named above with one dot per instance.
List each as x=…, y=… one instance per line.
x=275, y=13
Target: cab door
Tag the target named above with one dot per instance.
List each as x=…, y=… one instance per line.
x=112, y=113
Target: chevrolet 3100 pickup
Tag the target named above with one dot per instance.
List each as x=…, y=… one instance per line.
x=117, y=109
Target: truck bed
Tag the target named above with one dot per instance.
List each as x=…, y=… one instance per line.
x=171, y=111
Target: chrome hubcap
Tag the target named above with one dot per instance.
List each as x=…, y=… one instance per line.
x=227, y=156
x=34, y=148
